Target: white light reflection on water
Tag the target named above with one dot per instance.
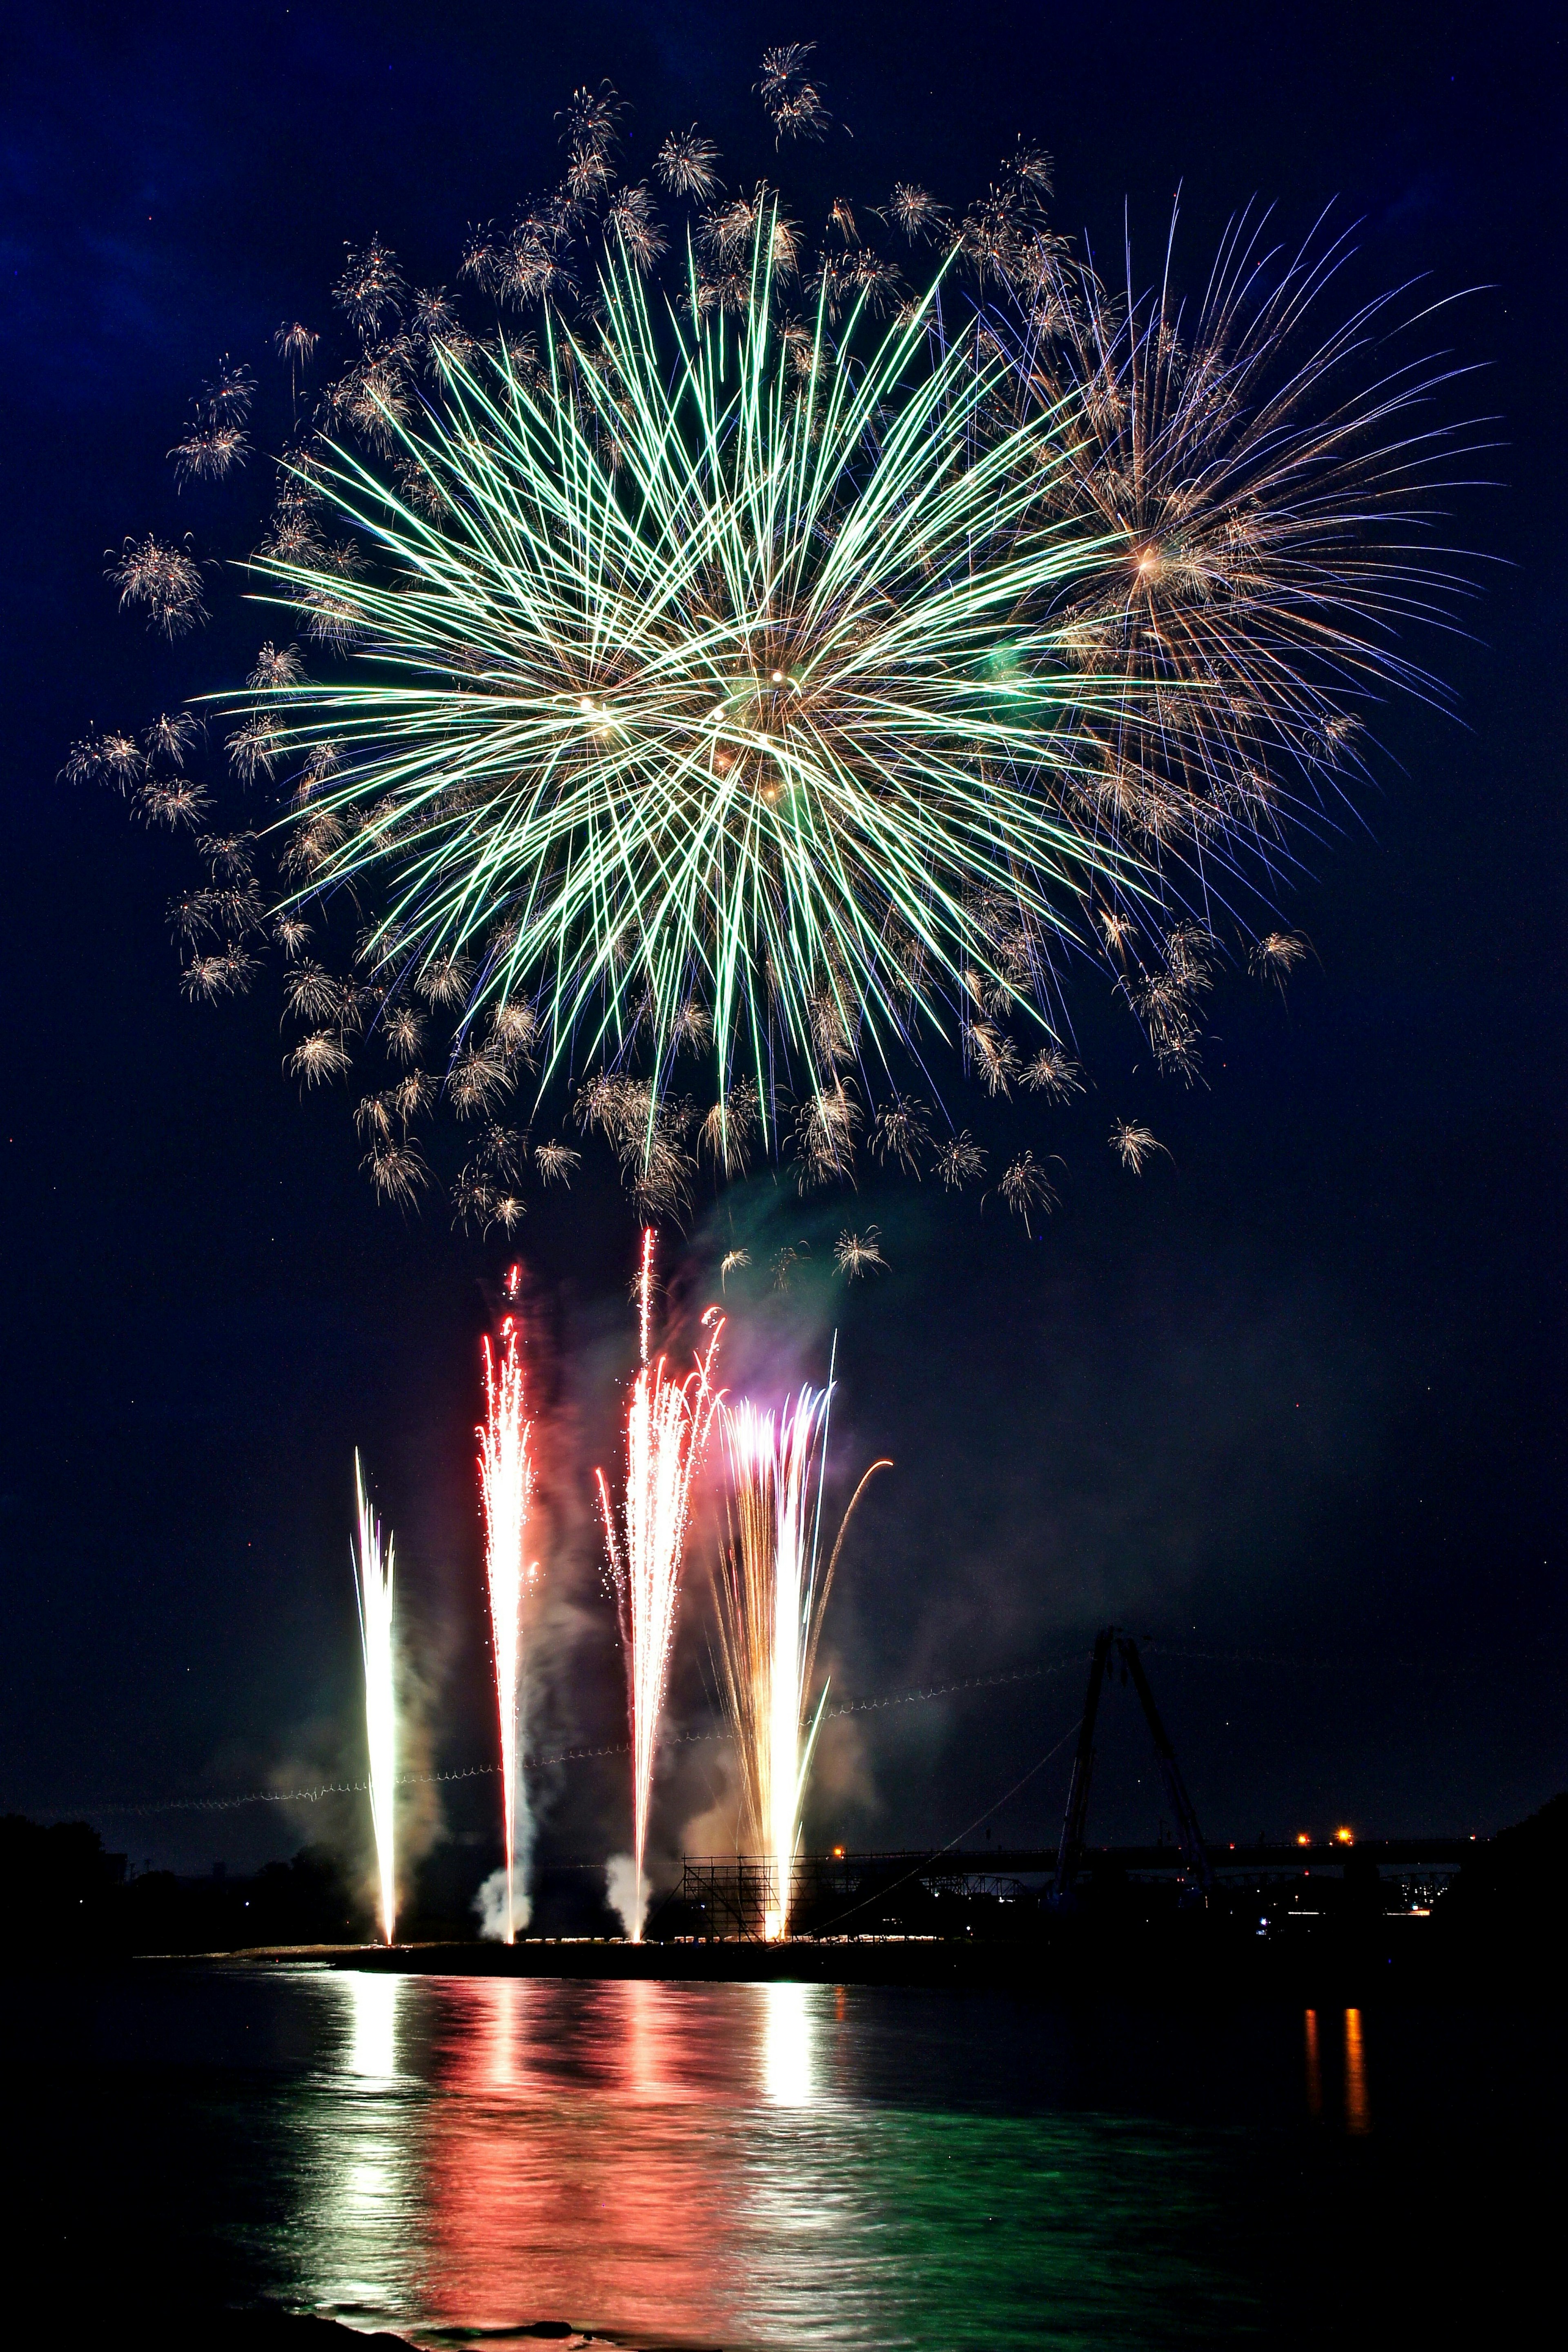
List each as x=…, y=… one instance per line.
x=795, y=2204
x=373, y=2001
x=362, y=2128
x=789, y=2034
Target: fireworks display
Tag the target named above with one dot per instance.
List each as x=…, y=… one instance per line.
x=773, y=1592
x=717, y=701
x=668, y=1423
x=786, y=654
x=375, y=1576
x=506, y=1490
x=772, y=1600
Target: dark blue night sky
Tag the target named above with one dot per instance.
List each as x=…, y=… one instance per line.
x=1292, y=1405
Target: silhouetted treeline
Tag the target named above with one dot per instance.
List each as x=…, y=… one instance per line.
x=59, y=1891
x=57, y=1883
x=305, y=1901
x=1517, y=1884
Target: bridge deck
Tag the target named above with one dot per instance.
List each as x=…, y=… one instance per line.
x=1028, y=1861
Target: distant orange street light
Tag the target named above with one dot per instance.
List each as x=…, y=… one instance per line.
x=1343, y=1837
x=1302, y=1838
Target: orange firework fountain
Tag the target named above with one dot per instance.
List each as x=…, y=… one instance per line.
x=506, y=1490
x=772, y=1601
x=668, y=1423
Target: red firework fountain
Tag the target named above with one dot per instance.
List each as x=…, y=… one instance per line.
x=506, y=1490
x=668, y=1427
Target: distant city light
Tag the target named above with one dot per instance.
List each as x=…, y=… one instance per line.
x=1302, y=1838
x=1343, y=1837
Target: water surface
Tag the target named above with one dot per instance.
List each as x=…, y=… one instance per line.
x=772, y=2165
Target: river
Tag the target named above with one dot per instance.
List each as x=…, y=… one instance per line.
x=771, y=2164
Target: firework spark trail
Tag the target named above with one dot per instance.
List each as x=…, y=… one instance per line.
x=374, y=1573
x=506, y=1487
x=644, y=1294
x=772, y=1596
x=668, y=1427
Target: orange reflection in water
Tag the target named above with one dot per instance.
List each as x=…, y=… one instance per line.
x=575, y=2169
x=1358, y=2107
x=1314, y=2068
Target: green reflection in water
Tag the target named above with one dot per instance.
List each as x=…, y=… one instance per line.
x=926, y=2229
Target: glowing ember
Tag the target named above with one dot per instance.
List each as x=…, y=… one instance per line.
x=668, y=1426
x=373, y=1576
x=506, y=1487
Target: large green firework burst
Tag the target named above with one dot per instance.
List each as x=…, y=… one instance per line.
x=737, y=656
x=704, y=685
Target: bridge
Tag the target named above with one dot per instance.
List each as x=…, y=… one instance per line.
x=850, y=1894
x=730, y=1896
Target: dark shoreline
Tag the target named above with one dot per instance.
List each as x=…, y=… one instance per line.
x=1155, y=1965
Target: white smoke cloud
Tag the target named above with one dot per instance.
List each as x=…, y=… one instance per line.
x=490, y=1904
x=625, y=1893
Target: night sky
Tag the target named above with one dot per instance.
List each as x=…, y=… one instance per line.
x=1291, y=1404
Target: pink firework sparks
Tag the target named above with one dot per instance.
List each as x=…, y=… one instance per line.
x=506, y=1490
x=668, y=1427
